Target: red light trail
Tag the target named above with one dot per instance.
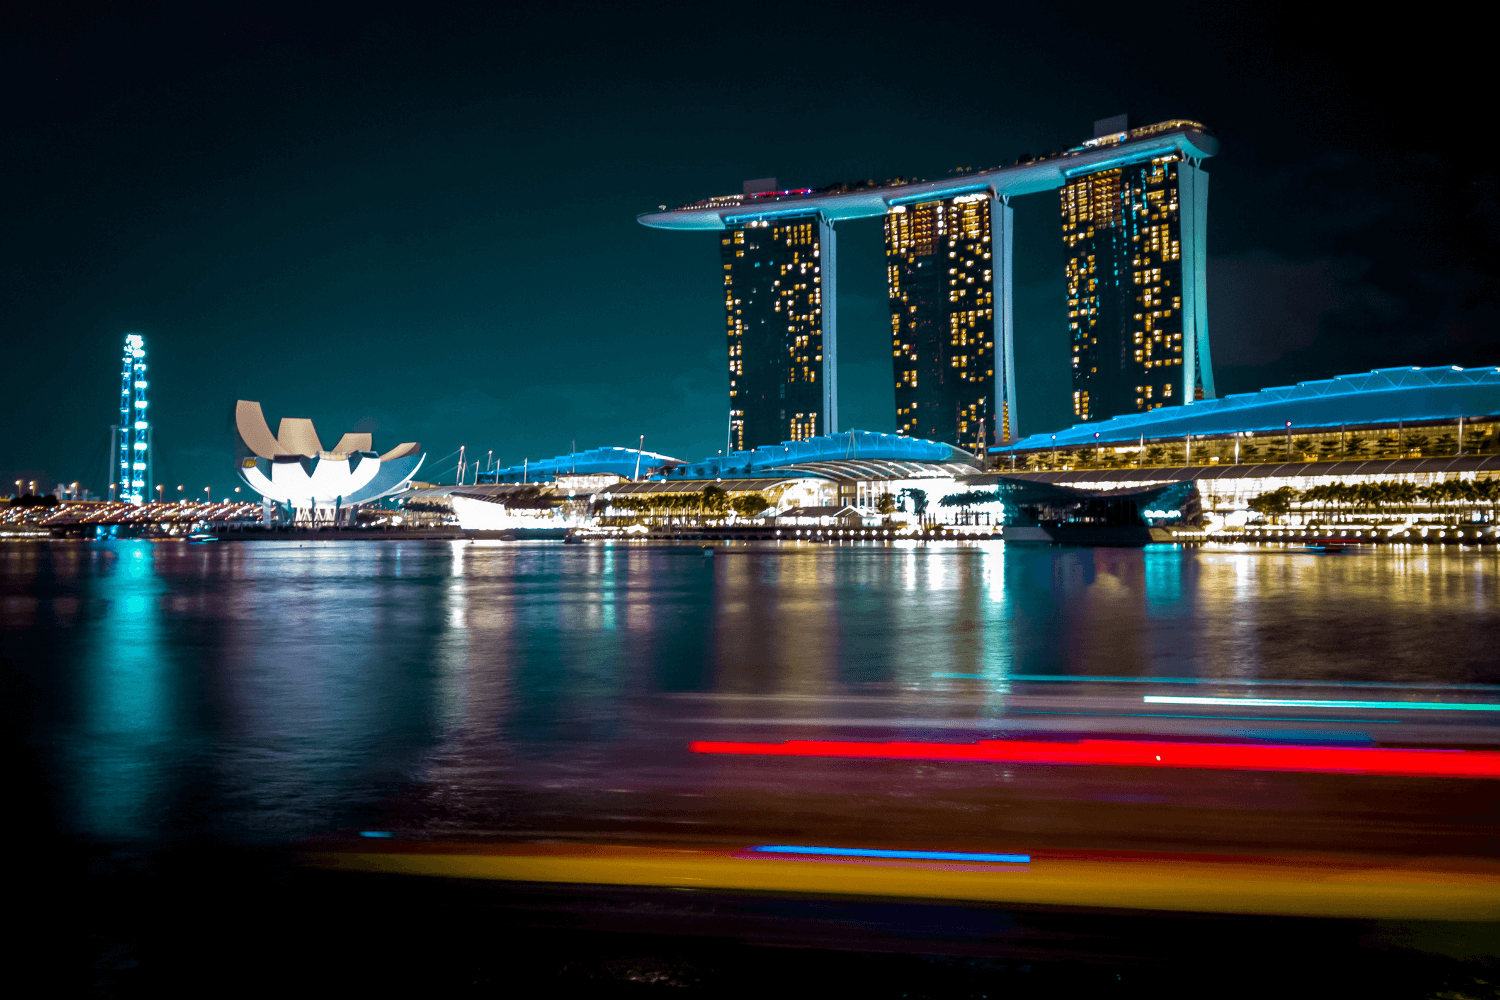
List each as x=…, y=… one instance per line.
x=1141, y=753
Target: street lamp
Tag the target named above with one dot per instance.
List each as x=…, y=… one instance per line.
x=207, y=497
x=159, y=488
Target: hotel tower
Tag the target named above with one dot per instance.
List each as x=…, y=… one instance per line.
x=779, y=315
x=1134, y=213
x=1133, y=237
x=943, y=260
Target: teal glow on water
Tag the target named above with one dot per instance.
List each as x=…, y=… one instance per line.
x=263, y=691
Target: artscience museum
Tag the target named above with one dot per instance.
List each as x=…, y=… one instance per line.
x=292, y=468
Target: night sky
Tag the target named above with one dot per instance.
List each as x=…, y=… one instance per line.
x=420, y=221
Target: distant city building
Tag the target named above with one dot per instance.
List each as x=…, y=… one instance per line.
x=942, y=264
x=779, y=313
x=1133, y=235
x=133, y=434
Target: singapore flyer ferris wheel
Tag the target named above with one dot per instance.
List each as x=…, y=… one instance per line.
x=135, y=426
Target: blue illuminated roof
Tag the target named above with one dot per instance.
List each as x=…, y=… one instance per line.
x=823, y=448
x=596, y=461
x=1383, y=396
x=622, y=461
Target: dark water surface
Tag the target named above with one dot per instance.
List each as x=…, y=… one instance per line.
x=188, y=722
x=266, y=692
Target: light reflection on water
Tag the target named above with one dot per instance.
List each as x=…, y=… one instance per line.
x=267, y=690
x=126, y=726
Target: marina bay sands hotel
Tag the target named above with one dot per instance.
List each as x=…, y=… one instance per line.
x=1134, y=206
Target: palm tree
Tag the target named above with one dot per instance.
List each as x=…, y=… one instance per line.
x=1345, y=494
x=715, y=501
x=1316, y=494
x=1276, y=503
x=749, y=504
x=1490, y=490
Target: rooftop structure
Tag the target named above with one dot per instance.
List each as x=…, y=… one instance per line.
x=851, y=444
x=869, y=199
x=1370, y=439
x=877, y=469
x=1426, y=469
x=656, y=486
x=1383, y=399
x=293, y=468
x=618, y=461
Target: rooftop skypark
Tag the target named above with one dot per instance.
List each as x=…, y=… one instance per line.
x=871, y=199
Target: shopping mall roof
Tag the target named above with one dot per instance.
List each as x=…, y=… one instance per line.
x=863, y=446
x=1262, y=470
x=695, y=486
x=1382, y=396
x=615, y=460
x=871, y=470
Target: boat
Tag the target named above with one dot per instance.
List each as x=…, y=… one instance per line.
x=1328, y=546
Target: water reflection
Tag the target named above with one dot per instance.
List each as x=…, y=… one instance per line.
x=264, y=690
x=124, y=731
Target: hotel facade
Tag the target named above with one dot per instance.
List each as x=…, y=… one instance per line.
x=782, y=339
x=942, y=262
x=1137, y=301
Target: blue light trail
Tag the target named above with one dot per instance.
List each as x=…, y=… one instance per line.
x=1428, y=706
x=865, y=852
x=1224, y=681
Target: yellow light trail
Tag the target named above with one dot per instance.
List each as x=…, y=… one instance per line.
x=1316, y=886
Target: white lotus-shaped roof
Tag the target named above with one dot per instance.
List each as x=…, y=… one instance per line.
x=292, y=466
